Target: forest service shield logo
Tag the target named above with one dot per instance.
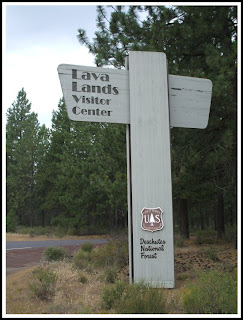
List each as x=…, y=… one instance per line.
x=152, y=219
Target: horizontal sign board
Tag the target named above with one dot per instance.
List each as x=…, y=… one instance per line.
x=102, y=95
x=189, y=100
x=95, y=94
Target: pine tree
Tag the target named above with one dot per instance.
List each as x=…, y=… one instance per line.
x=199, y=41
x=84, y=174
x=22, y=158
x=41, y=185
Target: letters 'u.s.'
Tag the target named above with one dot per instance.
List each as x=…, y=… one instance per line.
x=149, y=102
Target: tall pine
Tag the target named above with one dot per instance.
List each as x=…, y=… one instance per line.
x=199, y=41
x=85, y=174
x=23, y=155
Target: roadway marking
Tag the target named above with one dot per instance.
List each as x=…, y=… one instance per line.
x=19, y=248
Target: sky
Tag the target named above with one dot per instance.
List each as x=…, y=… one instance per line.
x=37, y=38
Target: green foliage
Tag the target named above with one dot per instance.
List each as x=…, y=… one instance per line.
x=182, y=276
x=82, y=278
x=230, y=233
x=92, y=230
x=54, y=253
x=110, y=274
x=211, y=253
x=134, y=299
x=214, y=293
x=73, y=176
x=112, y=294
x=86, y=179
x=81, y=259
x=180, y=242
x=12, y=221
x=111, y=257
x=87, y=230
x=42, y=283
x=205, y=237
x=115, y=253
x=140, y=299
x=38, y=231
x=67, y=308
x=49, y=231
x=26, y=144
x=199, y=42
x=87, y=246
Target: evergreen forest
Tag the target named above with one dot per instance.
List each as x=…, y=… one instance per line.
x=74, y=176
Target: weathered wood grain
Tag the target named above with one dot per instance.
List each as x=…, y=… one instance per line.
x=189, y=100
x=115, y=107
x=189, y=97
x=150, y=167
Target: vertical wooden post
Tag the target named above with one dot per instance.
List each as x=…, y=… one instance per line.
x=139, y=98
x=129, y=196
x=149, y=169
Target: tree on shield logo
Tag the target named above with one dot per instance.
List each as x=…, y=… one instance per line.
x=152, y=219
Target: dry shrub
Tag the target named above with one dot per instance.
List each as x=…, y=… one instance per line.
x=82, y=259
x=87, y=246
x=214, y=293
x=54, y=253
x=134, y=299
x=43, y=283
x=115, y=253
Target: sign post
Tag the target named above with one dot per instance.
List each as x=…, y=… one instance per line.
x=149, y=101
x=150, y=171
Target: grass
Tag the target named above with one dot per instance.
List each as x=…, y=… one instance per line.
x=26, y=237
x=214, y=292
x=60, y=232
x=134, y=299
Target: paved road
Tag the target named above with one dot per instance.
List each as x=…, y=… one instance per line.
x=15, y=245
x=23, y=254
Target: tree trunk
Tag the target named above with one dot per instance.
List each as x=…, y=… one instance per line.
x=207, y=217
x=176, y=214
x=192, y=222
x=126, y=219
x=220, y=216
x=31, y=213
x=43, y=218
x=184, y=223
x=201, y=218
x=116, y=219
x=215, y=220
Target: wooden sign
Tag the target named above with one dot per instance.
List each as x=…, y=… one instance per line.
x=149, y=170
x=95, y=94
x=149, y=102
x=102, y=95
x=189, y=101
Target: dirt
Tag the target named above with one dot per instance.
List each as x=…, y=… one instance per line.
x=193, y=257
